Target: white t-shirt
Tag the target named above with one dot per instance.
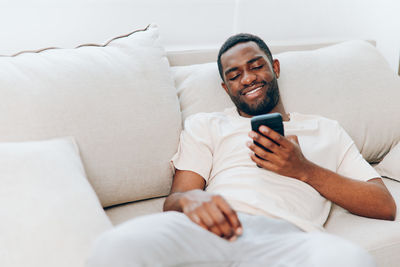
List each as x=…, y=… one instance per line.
x=214, y=146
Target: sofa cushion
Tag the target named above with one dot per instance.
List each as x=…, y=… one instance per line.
x=124, y=212
x=390, y=165
x=381, y=238
x=51, y=215
x=117, y=100
x=199, y=89
x=349, y=82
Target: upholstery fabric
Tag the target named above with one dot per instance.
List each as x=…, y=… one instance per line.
x=117, y=100
x=51, y=213
x=381, y=238
x=390, y=165
x=199, y=89
x=348, y=82
x=124, y=212
x=202, y=55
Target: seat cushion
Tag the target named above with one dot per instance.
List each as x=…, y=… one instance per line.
x=390, y=165
x=122, y=213
x=381, y=238
x=117, y=100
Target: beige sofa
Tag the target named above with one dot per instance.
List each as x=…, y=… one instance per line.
x=113, y=114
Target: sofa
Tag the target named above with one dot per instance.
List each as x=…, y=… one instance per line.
x=87, y=135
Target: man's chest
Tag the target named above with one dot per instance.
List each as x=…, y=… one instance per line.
x=230, y=148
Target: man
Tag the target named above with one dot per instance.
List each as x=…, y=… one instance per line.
x=239, y=209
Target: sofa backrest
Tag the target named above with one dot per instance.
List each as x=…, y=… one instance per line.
x=118, y=101
x=206, y=55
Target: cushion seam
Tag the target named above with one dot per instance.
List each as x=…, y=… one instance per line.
x=385, y=246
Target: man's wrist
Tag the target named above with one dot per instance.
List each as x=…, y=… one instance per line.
x=186, y=197
x=309, y=172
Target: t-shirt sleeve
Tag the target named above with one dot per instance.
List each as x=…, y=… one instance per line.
x=351, y=162
x=195, y=148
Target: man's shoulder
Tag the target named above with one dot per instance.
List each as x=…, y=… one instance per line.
x=313, y=121
x=208, y=116
x=300, y=117
x=205, y=121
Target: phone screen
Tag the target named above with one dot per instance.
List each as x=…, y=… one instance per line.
x=272, y=120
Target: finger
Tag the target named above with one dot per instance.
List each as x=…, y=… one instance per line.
x=220, y=220
x=262, y=152
x=265, y=142
x=279, y=139
x=196, y=219
x=263, y=163
x=208, y=221
x=229, y=213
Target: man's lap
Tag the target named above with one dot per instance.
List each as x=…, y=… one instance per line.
x=172, y=239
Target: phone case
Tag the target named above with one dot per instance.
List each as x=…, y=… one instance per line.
x=272, y=120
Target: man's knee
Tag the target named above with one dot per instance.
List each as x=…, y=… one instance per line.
x=140, y=241
x=108, y=249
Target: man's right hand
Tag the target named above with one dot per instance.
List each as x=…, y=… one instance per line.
x=212, y=213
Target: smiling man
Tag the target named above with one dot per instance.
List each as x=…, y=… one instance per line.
x=229, y=206
x=252, y=95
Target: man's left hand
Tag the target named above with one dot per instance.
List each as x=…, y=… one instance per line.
x=285, y=156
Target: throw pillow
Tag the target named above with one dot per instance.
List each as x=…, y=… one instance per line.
x=199, y=89
x=349, y=82
x=50, y=213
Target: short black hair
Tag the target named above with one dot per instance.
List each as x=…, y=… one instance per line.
x=241, y=38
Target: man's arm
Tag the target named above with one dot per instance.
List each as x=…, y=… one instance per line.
x=370, y=199
x=209, y=211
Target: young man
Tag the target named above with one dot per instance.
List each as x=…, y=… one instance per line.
x=236, y=208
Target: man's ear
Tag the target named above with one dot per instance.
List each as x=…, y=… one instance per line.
x=277, y=68
x=225, y=87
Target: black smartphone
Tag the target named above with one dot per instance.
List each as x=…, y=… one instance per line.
x=272, y=120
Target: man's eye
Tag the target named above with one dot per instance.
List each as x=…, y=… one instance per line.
x=234, y=77
x=257, y=67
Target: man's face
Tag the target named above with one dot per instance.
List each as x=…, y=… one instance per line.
x=249, y=79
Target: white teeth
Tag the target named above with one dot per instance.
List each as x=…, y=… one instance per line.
x=253, y=91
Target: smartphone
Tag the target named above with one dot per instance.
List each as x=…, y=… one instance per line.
x=272, y=120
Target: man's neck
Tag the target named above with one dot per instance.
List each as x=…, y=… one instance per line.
x=277, y=109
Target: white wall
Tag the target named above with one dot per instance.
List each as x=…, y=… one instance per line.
x=33, y=24
x=338, y=19
x=29, y=24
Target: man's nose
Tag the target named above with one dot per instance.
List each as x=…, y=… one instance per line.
x=248, y=78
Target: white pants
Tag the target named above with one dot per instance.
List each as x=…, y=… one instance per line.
x=171, y=239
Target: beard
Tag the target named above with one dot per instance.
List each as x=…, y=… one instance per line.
x=263, y=106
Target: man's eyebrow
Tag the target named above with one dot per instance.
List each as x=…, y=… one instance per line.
x=254, y=59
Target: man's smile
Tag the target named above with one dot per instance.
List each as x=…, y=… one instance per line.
x=254, y=91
